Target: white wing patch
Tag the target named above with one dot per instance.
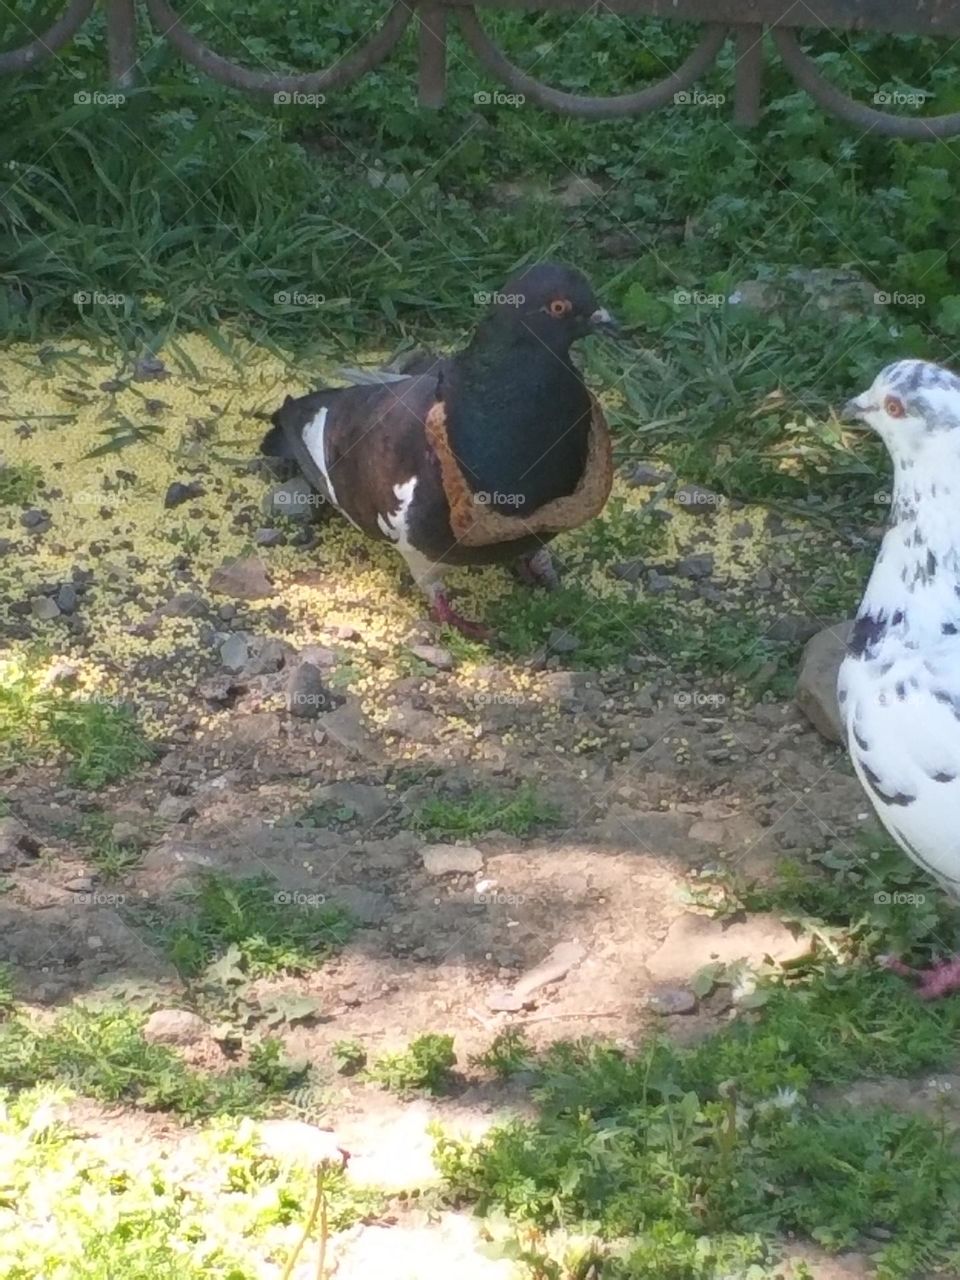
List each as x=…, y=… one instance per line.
x=314, y=438
x=396, y=526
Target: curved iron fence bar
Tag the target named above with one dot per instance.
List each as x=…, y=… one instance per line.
x=655, y=95
x=805, y=72
x=54, y=38
x=230, y=73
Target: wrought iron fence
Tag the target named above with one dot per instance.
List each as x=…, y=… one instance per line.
x=744, y=20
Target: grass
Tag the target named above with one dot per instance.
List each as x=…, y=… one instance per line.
x=102, y=1054
x=69, y=1211
x=101, y=740
x=484, y=811
x=426, y=1065
x=18, y=484
x=693, y=1162
x=249, y=927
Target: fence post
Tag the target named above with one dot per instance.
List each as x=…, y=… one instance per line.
x=749, y=87
x=433, y=55
x=122, y=42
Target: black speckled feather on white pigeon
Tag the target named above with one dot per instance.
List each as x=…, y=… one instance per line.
x=474, y=458
x=899, y=686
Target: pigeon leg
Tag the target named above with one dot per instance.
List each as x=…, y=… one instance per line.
x=429, y=578
x=538, y=570
x=444, y=613
x=939, y=980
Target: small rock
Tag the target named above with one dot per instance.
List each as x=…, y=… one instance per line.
x=266, y=656
x=307, y=695
x=816, y=692
x=367, y=803
x=560, y=641
x=318, y=656
x=44, y=608
x=176, y=809
x=126, y=833
x=80, y=884
x=694, y=941
x=668, y=1001
x=235, y=651
x=451, y=859
x=794, y=628
x=763, y=580
x=243, y=579
x=150, y=369
x=629, y=570
x=66, y=598
x=708, y=832
x=659, y=584
x=226, y=612
x=174, y=1026
x=574, y=192
x=645, y=477
x=433, y=655
x=17, y=845
x=268, y=537
x=32, y=518
x=179, y=492
x=699, y=566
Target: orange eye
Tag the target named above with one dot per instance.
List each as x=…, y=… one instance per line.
x=561, y=307
x=894, y=407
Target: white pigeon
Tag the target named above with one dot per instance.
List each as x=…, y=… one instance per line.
x=899, y=685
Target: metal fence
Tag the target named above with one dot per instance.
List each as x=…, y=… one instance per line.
x=743, y=20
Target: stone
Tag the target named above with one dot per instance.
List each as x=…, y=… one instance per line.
x=176, y=809
x=307, y=695
x=575, y=191
x=694, y=941
x=127, y=833
x=318, y=655
x=816, y=691
x=268, y=537
x=267, y=655
x=243, y=579
x=179, y=492
x=174, y=1026
x=451, y=859
x=80, y=884
x=629, y=570
x=66, y=598
x=32, y=518
x=644, y=476
x=560, y=641
x=669, y=1001
x=698, y=566
x=235, y=651
x=433, y=655
x=44, y=608
x=368, y=803
x=150, y=369
x=794, y=628
x=17, y=845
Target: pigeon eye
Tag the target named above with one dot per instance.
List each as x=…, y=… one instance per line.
x=894, y=407
x=561, y=307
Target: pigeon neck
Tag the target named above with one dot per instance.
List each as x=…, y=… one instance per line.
x=926, y=500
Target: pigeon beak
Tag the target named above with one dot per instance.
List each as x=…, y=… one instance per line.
x=853, y=411
x=603, y=322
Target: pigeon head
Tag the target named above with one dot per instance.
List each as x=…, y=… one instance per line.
x=910, y=405
x=549, y=303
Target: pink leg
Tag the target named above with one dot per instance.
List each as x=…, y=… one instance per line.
x=444, y=613
x=932, y=983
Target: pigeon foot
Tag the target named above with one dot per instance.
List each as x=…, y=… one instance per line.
x=538, y=570
x=444, y=613
x=939, y=980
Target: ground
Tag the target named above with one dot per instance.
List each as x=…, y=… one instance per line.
x=555, y=841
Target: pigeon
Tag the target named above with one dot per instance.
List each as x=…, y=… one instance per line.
x=899, y=684
x=475, y=458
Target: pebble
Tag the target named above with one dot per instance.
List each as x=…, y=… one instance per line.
x=44, y=608
x=561, y=641
x=179, y=492
x=433, y=655
x=451, y=859
x=235, y=651
x=645, y=477
x=697, y=501
x=268, y=537
x=32, y=518
x=243, y=579
x=698, y=566
x=66, y=598
x=668, y=1001
x=307, y=695
x=174, y=1026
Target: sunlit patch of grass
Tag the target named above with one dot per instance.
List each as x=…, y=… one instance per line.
x=101, y=740
x=18, y=483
